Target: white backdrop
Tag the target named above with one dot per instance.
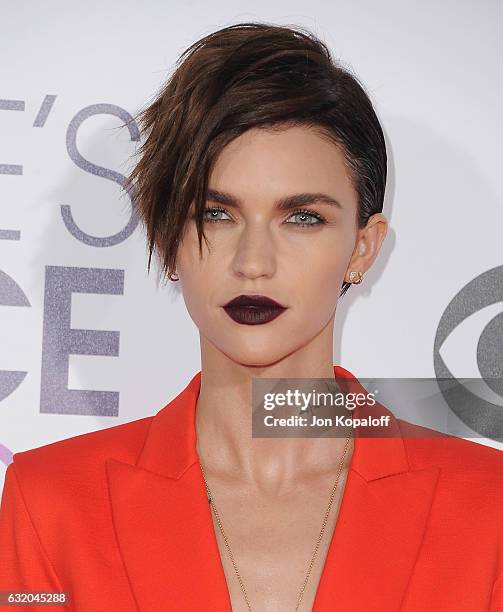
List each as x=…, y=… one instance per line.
x=71, y=71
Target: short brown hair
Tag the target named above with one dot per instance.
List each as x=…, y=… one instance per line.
x=244, y=76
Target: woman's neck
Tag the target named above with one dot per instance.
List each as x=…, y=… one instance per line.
x=224, y=424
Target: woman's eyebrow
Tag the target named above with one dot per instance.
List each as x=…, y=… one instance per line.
x=286, y=203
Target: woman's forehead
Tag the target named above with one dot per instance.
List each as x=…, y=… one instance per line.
x=274, y=165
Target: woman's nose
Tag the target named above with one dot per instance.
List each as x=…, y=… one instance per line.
x=254, y=256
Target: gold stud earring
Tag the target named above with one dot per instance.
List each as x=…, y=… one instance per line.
x=173, y=276
x=355, y=275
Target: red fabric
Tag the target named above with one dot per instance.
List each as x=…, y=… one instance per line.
x=119, y=519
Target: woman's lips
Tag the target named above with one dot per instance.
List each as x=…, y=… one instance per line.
x=253, y=309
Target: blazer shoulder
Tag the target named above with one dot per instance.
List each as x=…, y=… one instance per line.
x=473, y=460
x=80, y=458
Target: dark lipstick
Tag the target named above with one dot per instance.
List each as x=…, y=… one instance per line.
x=253, y=309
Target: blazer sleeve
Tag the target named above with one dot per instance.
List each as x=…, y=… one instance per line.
x=24, y=564
x=497, y=595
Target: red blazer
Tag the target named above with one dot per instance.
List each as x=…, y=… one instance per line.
x=119, y=519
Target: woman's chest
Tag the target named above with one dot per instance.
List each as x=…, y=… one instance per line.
x=273, y=551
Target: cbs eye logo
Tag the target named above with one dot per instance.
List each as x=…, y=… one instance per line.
x=478, y=310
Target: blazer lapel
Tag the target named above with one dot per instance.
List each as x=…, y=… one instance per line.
x=381, y=523
x=162, y=517
x=165, y=532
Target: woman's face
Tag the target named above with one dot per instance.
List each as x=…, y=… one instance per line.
x=262, y=240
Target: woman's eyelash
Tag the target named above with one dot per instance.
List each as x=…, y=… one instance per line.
x=300, y=211
x=310, y=213
x=215, y=209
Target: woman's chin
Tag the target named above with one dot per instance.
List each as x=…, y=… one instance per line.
x=257, y=356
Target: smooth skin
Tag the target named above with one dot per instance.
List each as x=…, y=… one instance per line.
x=271, y=493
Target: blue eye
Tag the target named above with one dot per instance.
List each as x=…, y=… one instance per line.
x=306, y=217
x=211, y=214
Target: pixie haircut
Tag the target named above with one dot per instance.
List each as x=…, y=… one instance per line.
x=248, y=75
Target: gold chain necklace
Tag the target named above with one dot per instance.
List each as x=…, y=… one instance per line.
x=318, y=541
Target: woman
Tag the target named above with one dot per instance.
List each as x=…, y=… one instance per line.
x=263, y=146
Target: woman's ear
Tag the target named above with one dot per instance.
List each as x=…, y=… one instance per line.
x=367, y=247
